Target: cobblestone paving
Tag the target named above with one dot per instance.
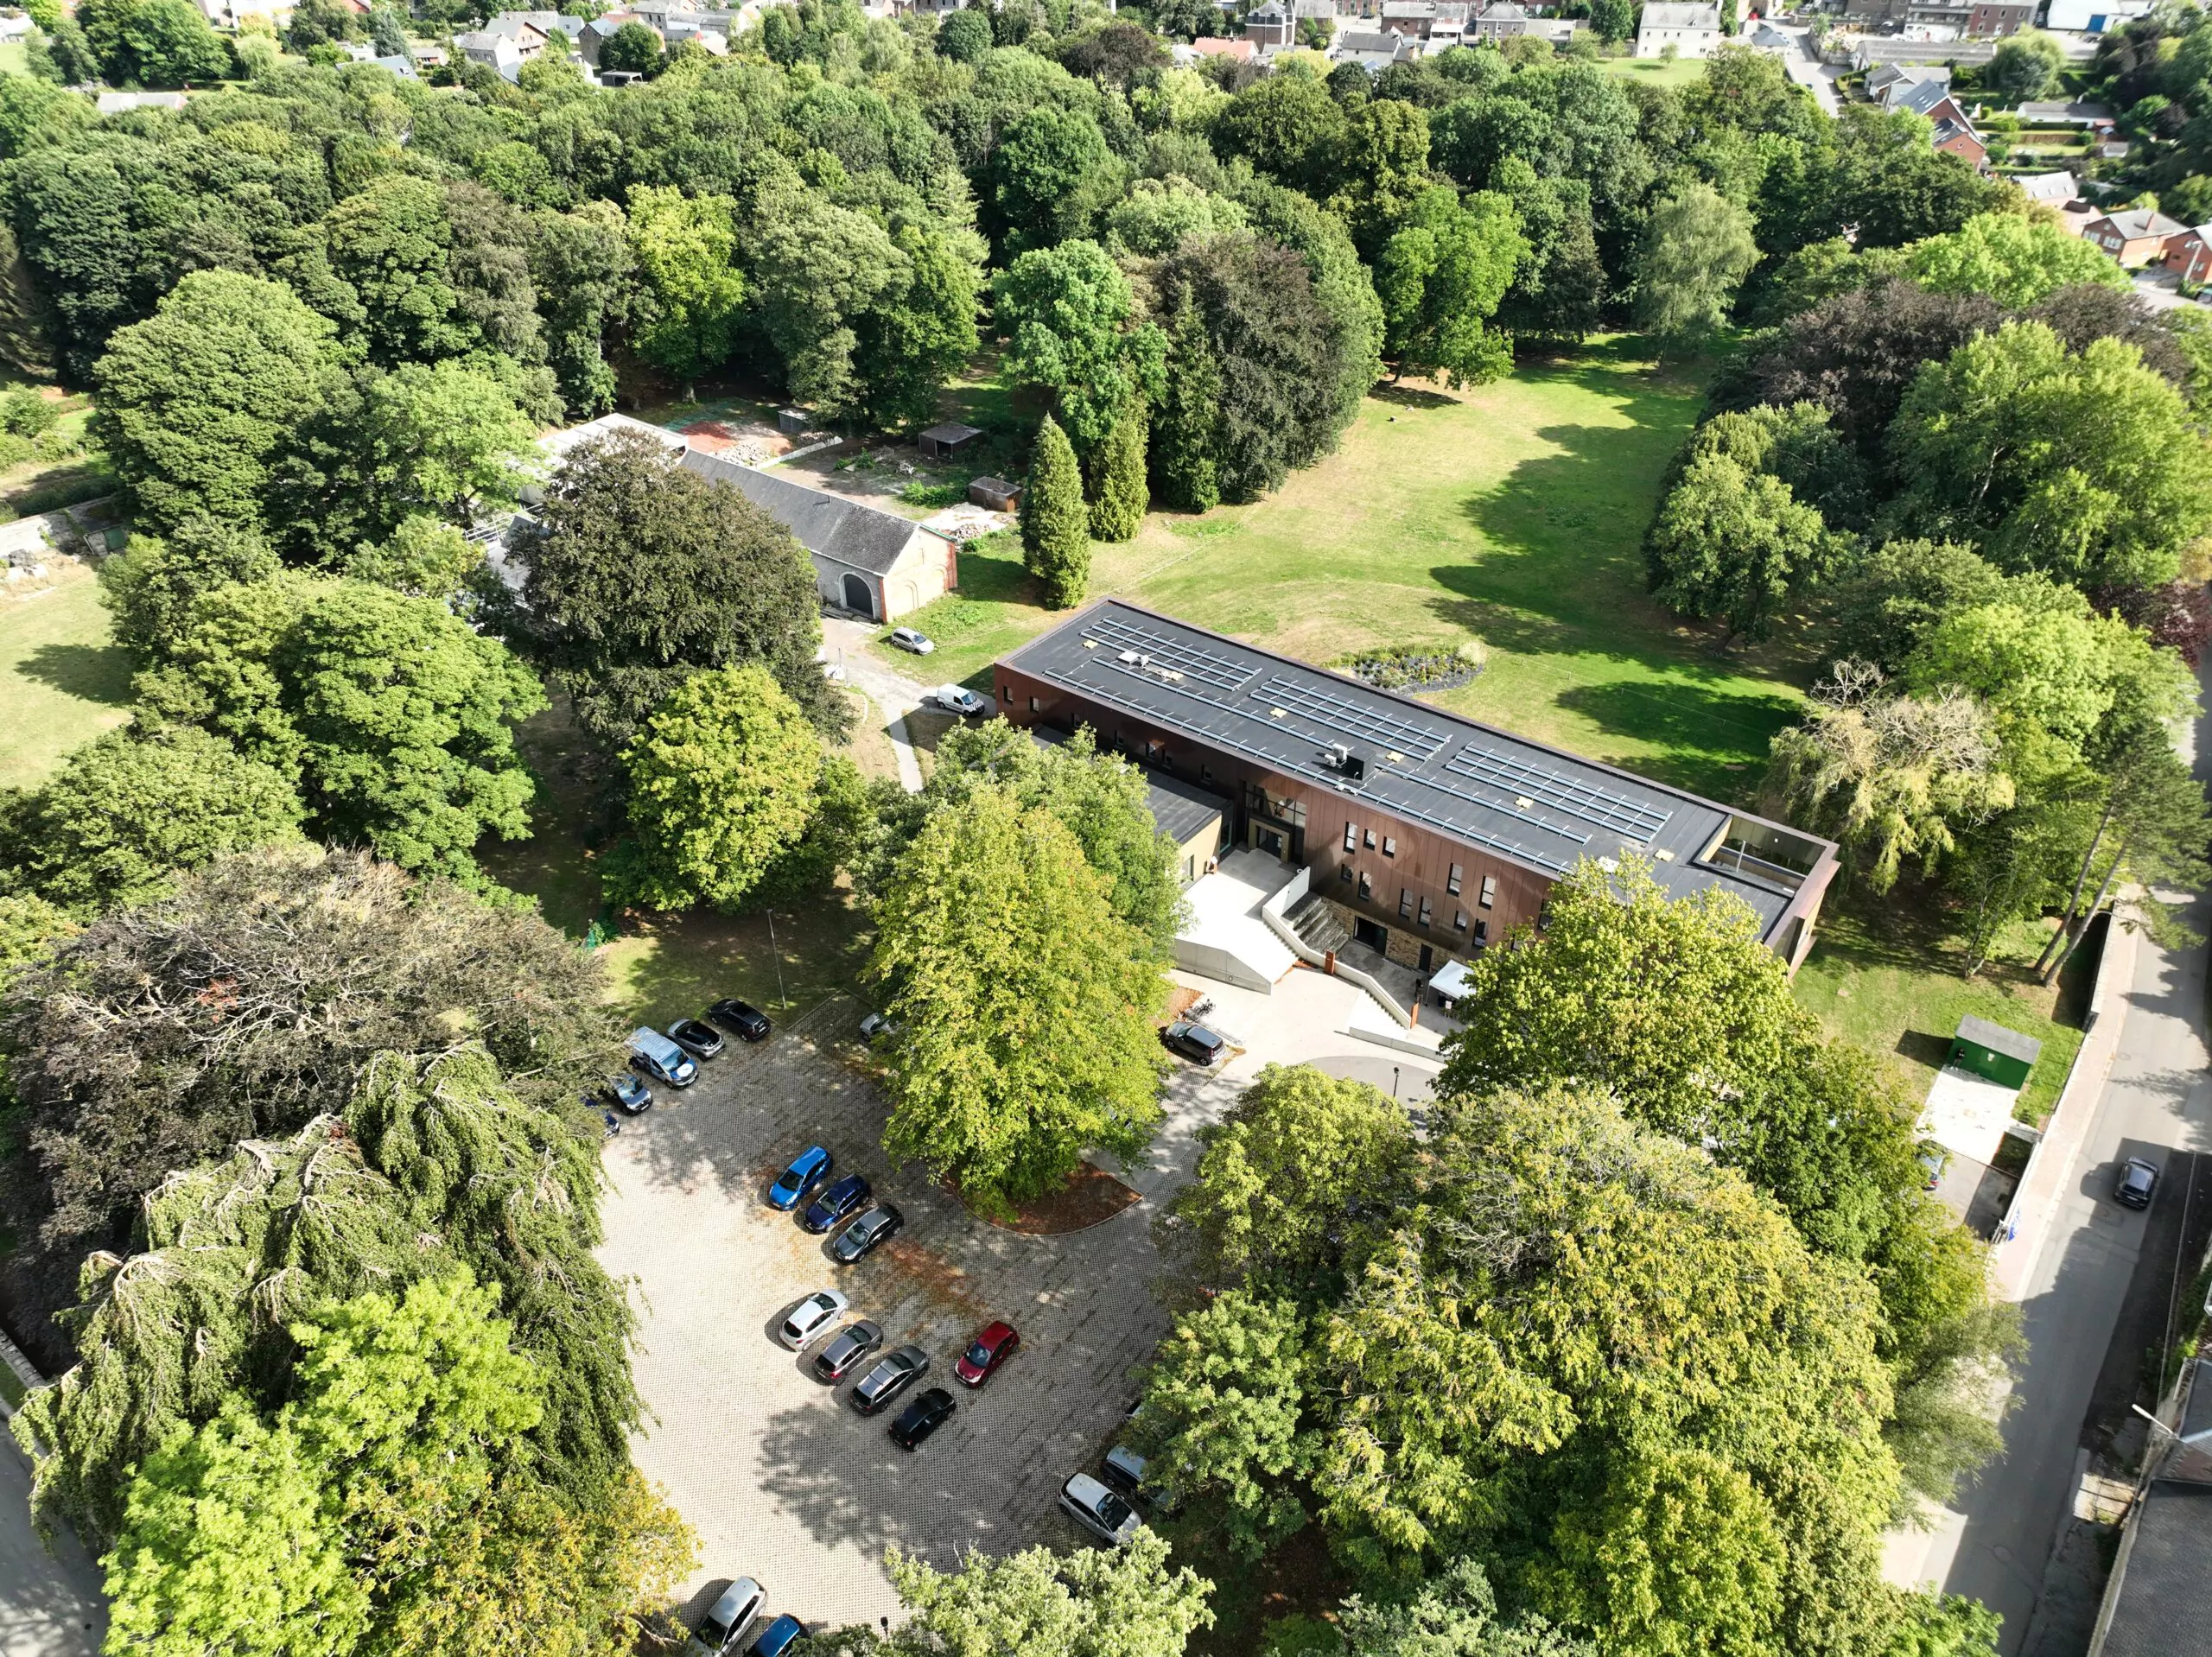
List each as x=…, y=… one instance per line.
x=782, y=1480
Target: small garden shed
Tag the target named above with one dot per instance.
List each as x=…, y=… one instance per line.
x=2005, y=1057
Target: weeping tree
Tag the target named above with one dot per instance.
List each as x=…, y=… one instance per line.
x=434, y=1163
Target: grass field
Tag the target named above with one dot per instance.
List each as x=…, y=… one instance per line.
x=61, y=680
x=1656, y=72
x=1512, y=513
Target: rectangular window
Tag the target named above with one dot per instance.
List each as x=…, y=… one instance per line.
x=1034, y=707
x=1424, y=912
x=1344, y=873
x=1405, y=902
x=1482, y=931
x=1390, y=846
x=1351, y=837
x=1452, y=885
x=1366, y=888
x=1367, y=840
x=1459, y=920
x=1490, y=890
x=1206, y=773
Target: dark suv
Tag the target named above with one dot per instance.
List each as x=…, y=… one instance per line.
x=897, y=1371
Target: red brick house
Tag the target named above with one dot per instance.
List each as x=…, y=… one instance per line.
x=2190, y=254
x=2132, y=238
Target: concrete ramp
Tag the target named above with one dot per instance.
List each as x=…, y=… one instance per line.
x=1224, y=938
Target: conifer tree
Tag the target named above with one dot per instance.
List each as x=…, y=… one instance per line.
x=1118, y=512
x=1055, y=523
x=1183, y=434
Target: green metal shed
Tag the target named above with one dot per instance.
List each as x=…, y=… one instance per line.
x=2006, y=1057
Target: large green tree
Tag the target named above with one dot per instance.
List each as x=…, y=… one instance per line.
x=1441, y=277
x=722, y=781
x=1074, y=334
x=1025, y=1005
x=640, y=573
x=1055, y=523
x=1695, y=250
x=2015, y=261
x=198, y=403
x=1736, y=545
x=684, y=248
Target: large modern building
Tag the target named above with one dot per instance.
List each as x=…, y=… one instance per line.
x=1433, y=835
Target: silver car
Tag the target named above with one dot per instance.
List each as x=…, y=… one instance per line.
x=810, y=1317
x=723, y=1627
x=1099, y=1510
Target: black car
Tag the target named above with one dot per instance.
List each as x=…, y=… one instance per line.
x=897, y=1371
x=1194, y=1041
x=700, y=1040
x=2138, y=1179
x=747, y=1022
x=862, y=1236
x=849, y=1196
x=847, y=1347
x=628, y=1095
x=922, y=1418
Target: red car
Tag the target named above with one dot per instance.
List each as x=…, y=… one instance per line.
x=990, y=1349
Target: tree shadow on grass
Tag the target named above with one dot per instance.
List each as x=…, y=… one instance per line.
x=1412, y=397
x=95, y=673
x=1711, y=740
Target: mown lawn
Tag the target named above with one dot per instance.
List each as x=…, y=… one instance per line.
x=62, y=680
x=1511, y=513
x=1656, y=72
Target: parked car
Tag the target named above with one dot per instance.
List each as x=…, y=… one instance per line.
x=993, y=1344
x=847, y=1347
x=800, y=1181
x=630, y=1096
x=1194, y=1041
x=1933, y=1159
x=958, y=698
x=810, y=1317
x=847, y=1196
x=891, y=1376
x=741, y=1018
x=778, y=1638
x=1124, y=1469
x=721, y=1628
x=929, y=1412
x=873, y=1024
x=860, y=1238
x=2138, y=1179
x=656, y=1055
x=1099, y=1510
x=912, y=638
x=700, y=1040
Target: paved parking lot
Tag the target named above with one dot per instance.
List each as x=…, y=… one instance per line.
x=782, y=1480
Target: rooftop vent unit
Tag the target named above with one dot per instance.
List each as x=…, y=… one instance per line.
x=1346, y=763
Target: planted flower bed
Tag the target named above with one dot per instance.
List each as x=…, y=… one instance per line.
x=1417, y=667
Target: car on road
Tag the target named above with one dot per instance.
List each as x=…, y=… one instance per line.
x=2137, y=1180
x=741, y=1018
x=929, y=1411
x=1194, y=1041
x=914, y=639
x=700, y=1040
x=863, y=1236
x=958, y=698
x=1099, y=1510
x=847, y=1347
x=778, y=1638
x=849, y=1196
x=800, y=1181
x=897, y=1371
x=873, y=1024
x=629, y=1095
x=992, y=1345
x=722, y=1627
x=656, y=1055
x=810, y=1317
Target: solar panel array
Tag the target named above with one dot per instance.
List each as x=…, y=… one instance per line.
x=1192, y=661
x=1343, y=717
x=1588, y=801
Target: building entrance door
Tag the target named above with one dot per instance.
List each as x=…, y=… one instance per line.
x=1428, y=957
x=1268, y=840
x=1372, y=935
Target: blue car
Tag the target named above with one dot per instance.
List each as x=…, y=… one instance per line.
x=800, y=1181
x=778, y=1638
x=849, y=1196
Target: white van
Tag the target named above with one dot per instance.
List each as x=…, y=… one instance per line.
x=656, y=1055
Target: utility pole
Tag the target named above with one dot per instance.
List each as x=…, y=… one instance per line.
x=783, y=1001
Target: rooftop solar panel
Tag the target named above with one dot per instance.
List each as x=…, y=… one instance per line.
x=1195, y=661
x=1576, y=798
x=1341, y=717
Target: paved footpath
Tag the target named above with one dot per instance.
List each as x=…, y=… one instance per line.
x=50, y=1603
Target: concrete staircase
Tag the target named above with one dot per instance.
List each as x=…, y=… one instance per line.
x=1319, y=927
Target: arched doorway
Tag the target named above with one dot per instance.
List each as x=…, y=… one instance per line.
x=858, y=597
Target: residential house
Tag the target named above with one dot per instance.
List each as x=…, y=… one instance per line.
x=1452, y=25
x=1373, y=49
x=2189, y=254
x=1208, y=46
x=1502, y=19
x=1426, y=836
x=1946, y=19
x=1925, y=90
x=529, y=30
x=2133, y=236
x=1693, y=31
x=1269, y=25
x=1408, y=17
x=2157, y=1600
x=495, y=52
x=2059, y=113
x=1883, y=80
x=2093, y=17
x=601, y=29
x=229, y=14
x=2050, y=189
x=1959, y=138
x=396, y=65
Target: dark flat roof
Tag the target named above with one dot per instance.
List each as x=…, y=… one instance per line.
x=2162, y=1604
x=1533, y=805
x=1179, y=810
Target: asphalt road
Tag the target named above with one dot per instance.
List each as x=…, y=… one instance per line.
x=1996, y=1540
x=50, y=1604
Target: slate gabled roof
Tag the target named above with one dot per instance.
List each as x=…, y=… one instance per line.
x=846, y=531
